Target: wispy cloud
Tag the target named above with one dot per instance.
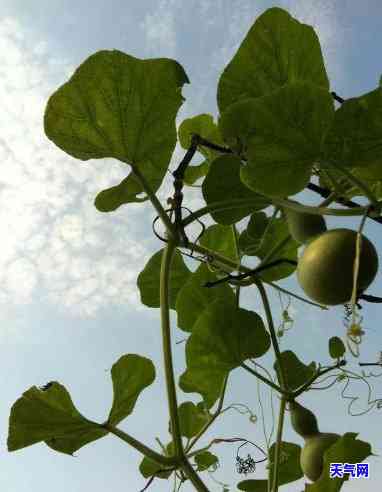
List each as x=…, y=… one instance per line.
x=53, y=239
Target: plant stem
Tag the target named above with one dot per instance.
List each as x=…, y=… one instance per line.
x=272, y=332
x=278, y=445
x=167, y=258
x=281, y=376
x=318, y=374
x=214, y=416
x=298, y=207
x=156, y=203
x=150, y=453
x=266, y=381
x=235, y=203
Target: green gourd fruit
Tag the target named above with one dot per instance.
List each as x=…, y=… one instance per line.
x=304, y=227
x=325, y=269
x=316, y=443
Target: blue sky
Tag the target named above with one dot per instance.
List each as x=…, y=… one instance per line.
x=69, y=304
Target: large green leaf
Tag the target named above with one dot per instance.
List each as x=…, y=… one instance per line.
x=116, y=105
x=193, y=298
x=277, y=50
x=355, y=137
x=222, y=338
x=348, y=450
x=49, y=415
x=281, y=135
x=222, y=182
x=130, y=374
x=149, y=279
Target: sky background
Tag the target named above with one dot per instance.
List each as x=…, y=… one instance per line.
x=69, y=303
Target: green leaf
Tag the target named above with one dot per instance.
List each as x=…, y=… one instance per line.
x=193, y=173
x=347, y=449
x=194, y=380
x=148, y=280
x=223, y=181
x=222, y=338
x=203, y=125
x=261, y=236
x=370, y=175
x=205, y=460
x=277, y=50
x=49, y=415
x=297, y=373
x=131, y=374
x=336, y=347
x=119, y=106
x=191, y=418
x=355, y=137
x=110, y=199
x=193, y=298
x=281, y=135
x=289, y=465
x=221, y=239
x=149, y=467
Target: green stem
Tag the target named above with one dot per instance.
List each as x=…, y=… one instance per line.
x=237, y=251
x=167, y=258
x=168, y=461
x=266, y=381
x=282, y=378
x=235, y=203
x=278, y=445
x=272, y=332
x=318, y=374
x=156, y=203
x=213, y=418
x=193, y=476
x=298, y=207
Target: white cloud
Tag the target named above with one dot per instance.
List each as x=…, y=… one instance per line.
x=159, y=29
x=53, y=239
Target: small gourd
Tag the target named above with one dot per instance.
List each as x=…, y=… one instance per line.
x=302, y=226
x=305, y=424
